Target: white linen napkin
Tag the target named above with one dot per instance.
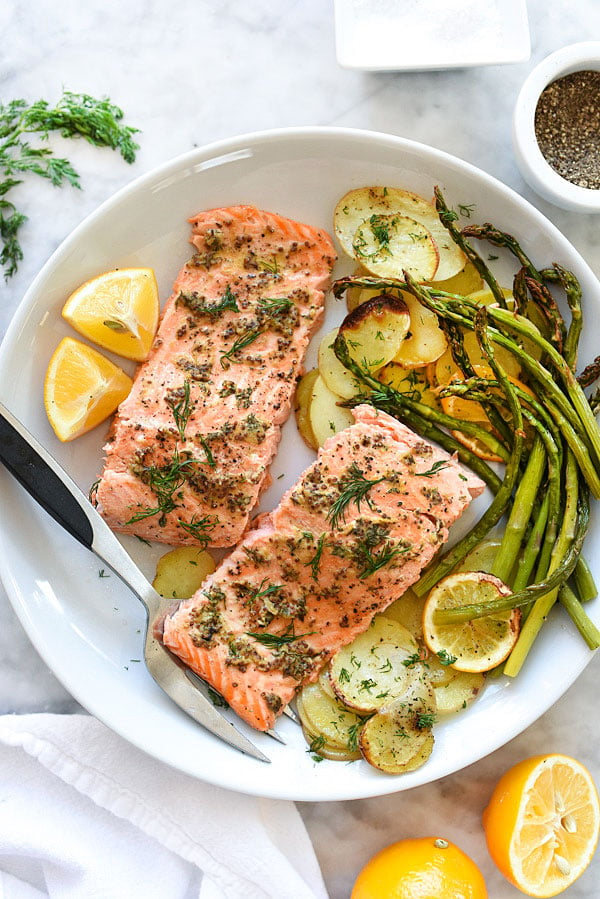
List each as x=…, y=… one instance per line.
x=84, y=814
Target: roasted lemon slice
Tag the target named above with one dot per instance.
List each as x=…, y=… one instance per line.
x=476, y=645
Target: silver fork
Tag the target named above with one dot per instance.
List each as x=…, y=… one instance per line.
x=57, y=493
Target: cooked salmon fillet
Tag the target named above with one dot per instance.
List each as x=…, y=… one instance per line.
x=189, y=451
x=349, y=538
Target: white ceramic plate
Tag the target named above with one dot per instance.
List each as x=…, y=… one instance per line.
x=86, y=627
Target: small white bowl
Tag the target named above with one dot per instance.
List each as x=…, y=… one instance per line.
x=535, y=169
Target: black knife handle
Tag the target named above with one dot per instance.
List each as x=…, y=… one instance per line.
x=43, y=478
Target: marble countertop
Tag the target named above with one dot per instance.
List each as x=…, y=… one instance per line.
x=194, y=71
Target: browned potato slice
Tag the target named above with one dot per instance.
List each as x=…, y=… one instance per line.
x=398, y=738
x=370, y=671
x=375, y=331
x=458, y=692
x=360, y=204
x=322, y=715
x=304, y=392
x=181, y=571
x=426, y=341
x=388, y=245
x=325, y=415
x=339, y=380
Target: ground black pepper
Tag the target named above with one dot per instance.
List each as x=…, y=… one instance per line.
x=567, y=127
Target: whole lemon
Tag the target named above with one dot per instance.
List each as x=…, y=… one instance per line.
x=420, y=868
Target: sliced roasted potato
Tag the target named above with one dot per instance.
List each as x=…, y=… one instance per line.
x=325, y=415
x=339, y=380
x=375, y=330
x=438, y=673
x=357, y=295
x=371, y=670
x=426, y=341
x=458, y=691
x=304, y=393
x=320, y=714
x=407, y=610
x=388, y=245
x=325, y=682
x=360, y=204
x=398, y=738
x=318, y=745
x=181, y=571
x=465, y=282
x=414, y=382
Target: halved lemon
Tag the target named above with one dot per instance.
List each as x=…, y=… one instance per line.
x=81, y=389
x=117, y=310
x=482, y=643
x=542, y=823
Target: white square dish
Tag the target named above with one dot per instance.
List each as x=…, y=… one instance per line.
x=403, y=35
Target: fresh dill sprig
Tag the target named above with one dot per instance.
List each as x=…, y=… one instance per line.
x=179, y=401
x=373, y=561
x=277, y=640
x=445, y=657
x=200, y=528
x=210, y=459
x=261, y=591
x=425, y=720
x=435, y=468
x=353, y=735
x=354, y=487
x=268, y=307
x=74, y=116
x=275, y=305
x=164, y=481
x=240, y=343
x=197, y=303
x=315, y=562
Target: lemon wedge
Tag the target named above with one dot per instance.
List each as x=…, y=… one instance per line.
x=81, y=388
x=117, y=310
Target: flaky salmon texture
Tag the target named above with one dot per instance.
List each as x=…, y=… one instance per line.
x=348, y=539
x=189, y=450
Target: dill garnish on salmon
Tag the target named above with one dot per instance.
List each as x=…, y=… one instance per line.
x=346, y=540
x=190, y=448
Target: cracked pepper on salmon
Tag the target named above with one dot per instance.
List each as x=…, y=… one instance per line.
x=347, y=540
x=189, y=451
